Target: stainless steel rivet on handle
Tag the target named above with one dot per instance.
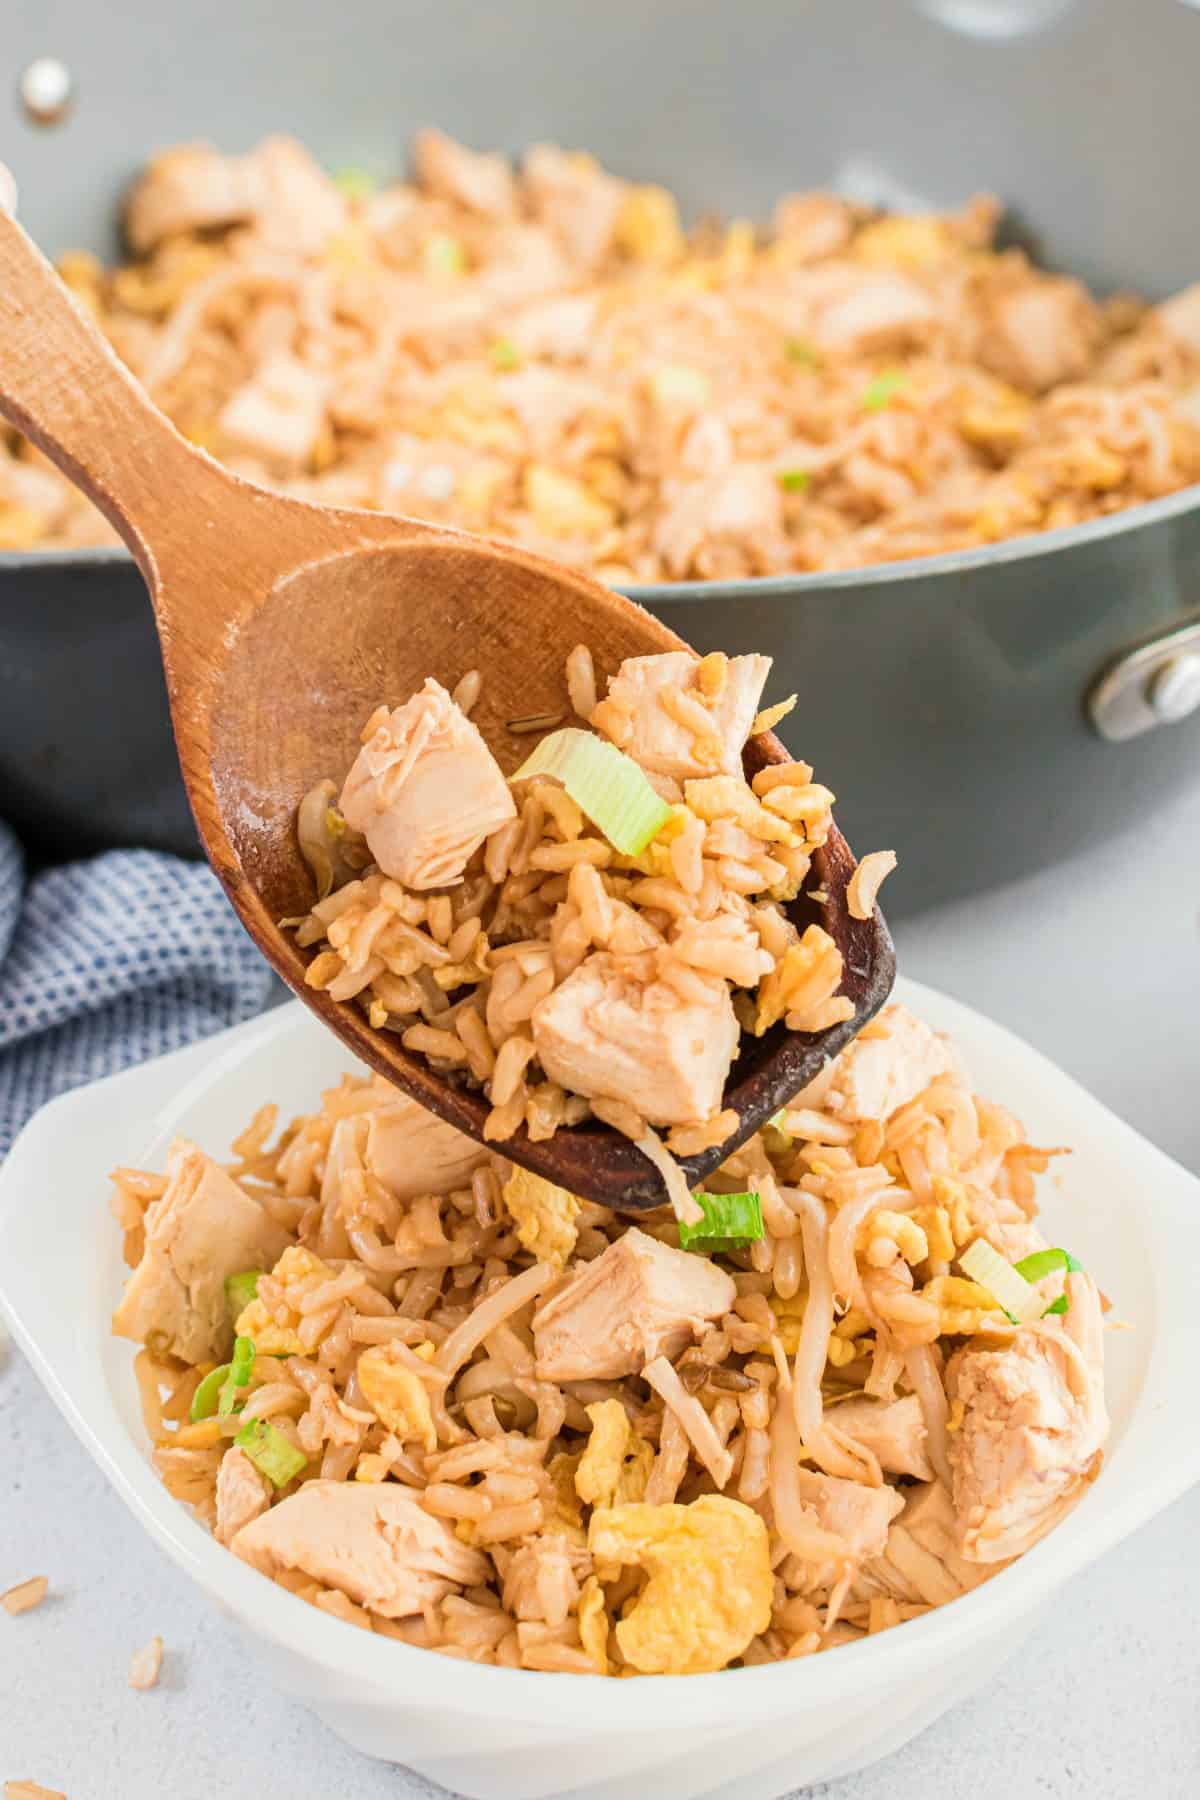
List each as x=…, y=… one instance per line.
x=46, y=90
x=1156, y=684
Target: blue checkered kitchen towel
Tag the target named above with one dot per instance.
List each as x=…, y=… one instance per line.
x=107, y=963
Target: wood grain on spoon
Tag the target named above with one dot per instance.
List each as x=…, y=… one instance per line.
x=283, y=625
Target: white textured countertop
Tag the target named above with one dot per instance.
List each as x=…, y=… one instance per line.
x=1094, y=963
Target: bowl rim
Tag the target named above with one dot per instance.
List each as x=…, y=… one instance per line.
x=1143, y=516
x=1113, y=1508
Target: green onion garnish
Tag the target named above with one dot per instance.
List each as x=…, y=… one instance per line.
x=1045, y=1262
x=798, y=350
x=206, y=1396
x=241, y=1289
x=505, y=354
x=604, y=783
x=444, y=255
x=1011, y=1292
x=879, y=392
x=270, y=1452
x=794, y=481
x=730, y=1220
x=355, y=183
x=239, y=1374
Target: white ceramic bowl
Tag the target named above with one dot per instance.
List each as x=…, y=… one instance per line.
x=500, y=1734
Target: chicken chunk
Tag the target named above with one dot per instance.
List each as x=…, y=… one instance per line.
x=575, y=199
x=425, y=790
x=921, y=1563
x=893, y=1430
x=277, y=189
x=638, y=1300
x=859, y=1515
x=882, y=310
x=1042, y=333
x=609, y=1037
x=413, y=1152
x=658, y=741
x=876, y=1076
x=242, y=1494
x=741, y=506
x=813, y=225
x=1034, y=1421
x=483, y=183
x=191, y=188
x=297, y=207
x=373, y=1541
x=201, y=1230
x=277, y=415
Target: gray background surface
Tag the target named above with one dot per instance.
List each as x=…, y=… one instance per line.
x=1095, y=963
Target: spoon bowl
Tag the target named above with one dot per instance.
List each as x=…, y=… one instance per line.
x=283, y=625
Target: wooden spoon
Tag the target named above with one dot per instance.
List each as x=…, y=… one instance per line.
x=283, y=625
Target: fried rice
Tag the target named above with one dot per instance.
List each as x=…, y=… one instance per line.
x=546, y=355
x=477, y=1415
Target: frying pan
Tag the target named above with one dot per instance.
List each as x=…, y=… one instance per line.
x=984, y=712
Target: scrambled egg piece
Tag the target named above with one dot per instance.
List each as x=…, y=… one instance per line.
x=593, y=1623
x=918, y=242
x=562, y=506
x=545, y=1215
x=271, y=1338
x=615, y=1467
x=397, y=1396
x=710, y=1587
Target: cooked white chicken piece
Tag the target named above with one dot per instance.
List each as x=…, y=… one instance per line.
x=814, y=225
x=875, y=1076
x=638, y=1300
x=412, y=1151
x=373, y=1541
x=882, y=310
x=1041, y=333
x=202, y=1229
x=921, y=1563
x=481, y=181
x=575, y=198
x=277, y=415
x=740, y=506
x=859, y=1515
x=191, y=188
x=242, y=1494
x=658, y=741
x=893, y=1430
x=395, y=793
x=1033, y=1424
x=606, y=1036
x=277, y=189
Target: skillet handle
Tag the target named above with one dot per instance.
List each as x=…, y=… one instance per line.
x=64, y=387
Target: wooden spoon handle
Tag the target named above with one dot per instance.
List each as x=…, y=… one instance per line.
x=63, y=385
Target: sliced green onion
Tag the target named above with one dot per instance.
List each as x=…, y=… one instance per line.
x=794, y=481
x=729, y=1221
x=879, y=393
x=505, y=354
x=604, y=783
x=1011, y=1292
x=355, y=183
x=241, y=1289
x=799, y=350
x=206, y=1396
x=1046, y=1262
x=239, y=1374
x=443, y=255
x=270, y=1452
